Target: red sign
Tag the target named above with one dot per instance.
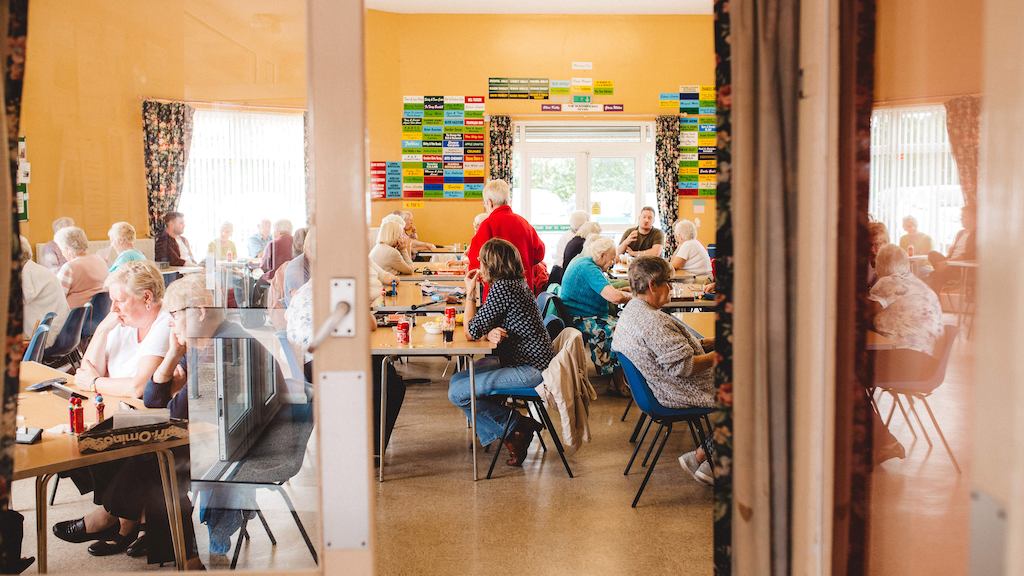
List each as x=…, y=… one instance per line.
x=474, y=99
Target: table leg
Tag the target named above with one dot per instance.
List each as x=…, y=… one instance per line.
x=41, y=483
x=169, y=482
x=472, y=410
x=383, y=413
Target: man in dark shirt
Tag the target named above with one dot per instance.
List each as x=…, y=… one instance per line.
x=171, y=246
x=643, y=239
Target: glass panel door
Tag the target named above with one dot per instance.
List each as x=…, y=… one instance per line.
x=552, y=196
x=613, y=190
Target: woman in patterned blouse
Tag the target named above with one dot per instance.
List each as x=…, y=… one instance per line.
x=510, y=319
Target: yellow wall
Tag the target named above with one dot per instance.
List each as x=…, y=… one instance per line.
x=90, y=63
x=406, y=55
x=706, y=221
x=928, y=49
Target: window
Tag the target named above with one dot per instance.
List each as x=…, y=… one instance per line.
x=243, y=166
x=913, y=173
x=606, y=169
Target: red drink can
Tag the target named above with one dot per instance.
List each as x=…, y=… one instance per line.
x=402, y=332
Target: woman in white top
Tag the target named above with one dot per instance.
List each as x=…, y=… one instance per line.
x=691, y=256
x=576, y=219
x=42, y=293
x=131, y=341
x=391, y=252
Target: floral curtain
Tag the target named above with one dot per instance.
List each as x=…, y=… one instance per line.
x=16, y=12
x=666, y=172
x=501, y=148
x=963, y=123
x=721, y=418
x=168, y=134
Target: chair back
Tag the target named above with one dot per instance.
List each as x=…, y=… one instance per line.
x=70, y=335
x=943, y=350
x=36, y=346
x=638, y=386
x=555, y=288
x=554, y=326
x=542, y=302
x=551, y=305
x=100, y=308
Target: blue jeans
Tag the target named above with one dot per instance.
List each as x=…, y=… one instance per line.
x=491, y=413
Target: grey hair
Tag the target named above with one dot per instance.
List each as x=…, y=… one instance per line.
x=577, y=219
x=62, y=222
x=588, y=228
x=73, y=238
x=648, y=270
x=498, y=192
x=479, y=219
x=283, y=225
x=891, y=259
x=686, y=229
x=26, y=250
x=121, y=234
x=596, y=245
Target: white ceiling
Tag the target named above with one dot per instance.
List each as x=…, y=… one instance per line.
x=543, y=6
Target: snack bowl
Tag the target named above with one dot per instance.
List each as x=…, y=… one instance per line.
x=432, y=327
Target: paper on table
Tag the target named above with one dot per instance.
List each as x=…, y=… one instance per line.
x=129, y=419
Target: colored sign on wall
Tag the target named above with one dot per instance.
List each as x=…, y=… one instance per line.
x=442, y=147
x=698, y=140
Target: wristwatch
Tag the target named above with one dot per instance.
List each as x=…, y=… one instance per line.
x=93, y=386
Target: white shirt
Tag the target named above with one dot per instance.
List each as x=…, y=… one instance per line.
x=185, y=252
x=560, y=249
x=42, y=293
x=124, y=351
x=696, y=256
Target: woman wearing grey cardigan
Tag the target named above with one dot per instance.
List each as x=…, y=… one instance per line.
x=677, y=366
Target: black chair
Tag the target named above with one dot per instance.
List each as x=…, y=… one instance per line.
x=529, y=397
x=65, y=348
x=554, y=326
x=36, y=346
x=275, y=458
x=100, y=308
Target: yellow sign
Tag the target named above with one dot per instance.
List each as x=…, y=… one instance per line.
x=707, y=164
x=595, y=208
x=453, y=187
x=412, y=204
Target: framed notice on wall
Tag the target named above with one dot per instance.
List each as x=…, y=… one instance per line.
x=443, y=147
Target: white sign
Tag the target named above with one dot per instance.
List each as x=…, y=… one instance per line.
x=582, y=65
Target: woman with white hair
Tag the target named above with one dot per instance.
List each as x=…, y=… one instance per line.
x=906, y=310
x=915, y=240
x=83, y=274
x=576, y=219
x=388, y=252
x=50, y=254
x=41, y=293
x=573, y=249
x=587, y=293
x=122, y=242
x=222, y=247
x=691, y=256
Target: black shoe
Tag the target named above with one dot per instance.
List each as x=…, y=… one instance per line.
x=115, y=544
x=74, y=531
x=138, y=548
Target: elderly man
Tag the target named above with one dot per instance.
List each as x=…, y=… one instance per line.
x=502, y=223
x=50, y=255
x=171, y=246
x=643, y=239
x=278, y=252
x=258, y=241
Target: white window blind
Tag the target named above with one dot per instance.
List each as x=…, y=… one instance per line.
x=243, y=166
x=913, y=173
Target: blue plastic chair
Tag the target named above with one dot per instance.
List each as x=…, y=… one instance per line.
x=100, y=308
x=530, y=398
x=36, y=346
x=664, y=417
x=549, y=304
x=65, y=347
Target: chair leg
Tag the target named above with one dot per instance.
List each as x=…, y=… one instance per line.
x=906, y=417
x=636, y=450
x=242, y=535
x=53, y=493
x=298, y=524
x=628, y=406
x=668, y=432
x=501, y=442
x=650, y=449
x=913, y=410
x=531, y=408
x=636, y=429
x=942, y=436
x=266, y=527
x=554, y=436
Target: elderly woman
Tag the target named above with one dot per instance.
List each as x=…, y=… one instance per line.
x=573, y=248
x=509, y=318
x=83, y=274
x=879, y=236
x=50, y=255
x=691, y=256
x=678, y=367
x=587, y=292
x=415, y=244
x=906, y=310
x=222, y=247
x=576, y=219
x=131, y=341
x=41, y=293
x=391, y=251
x=122, y=242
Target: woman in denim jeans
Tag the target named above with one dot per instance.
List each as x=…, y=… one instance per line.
x=510, y=319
